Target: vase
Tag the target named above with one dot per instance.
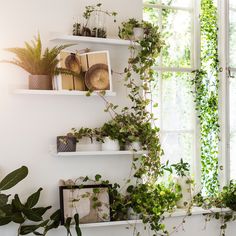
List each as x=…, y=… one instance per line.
x=110, y=145
x=136, y=145
x=186, y=189
x=86, y=144
x=40, y=82
x=138, y=33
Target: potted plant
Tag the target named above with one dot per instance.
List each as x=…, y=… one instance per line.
x=229, y=195
x=40, y=65
x=110, y=134
x=131, y=30
x=183, y=179
x=97, y=28
x=87, y=139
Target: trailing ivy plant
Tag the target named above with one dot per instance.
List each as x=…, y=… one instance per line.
x=206, y=93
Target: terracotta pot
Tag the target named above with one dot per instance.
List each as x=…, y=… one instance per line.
x=40, y=82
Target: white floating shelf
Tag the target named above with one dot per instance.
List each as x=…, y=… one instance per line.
x=111, y=223
x=99, y=153
x=175, y=213
x=61, y=92
x=83, y=39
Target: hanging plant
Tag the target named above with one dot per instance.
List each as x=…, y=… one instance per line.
x=206, y=93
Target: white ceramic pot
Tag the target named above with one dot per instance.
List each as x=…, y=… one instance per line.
x=85, y=144
x=110, y=145
x=138, y=33
x=186, y=189
x=134, y=145
x=132, y=215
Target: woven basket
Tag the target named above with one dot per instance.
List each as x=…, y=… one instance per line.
x=40, y=82
x=66, y=144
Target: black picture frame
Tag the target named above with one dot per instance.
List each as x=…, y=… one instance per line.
x=70, y=202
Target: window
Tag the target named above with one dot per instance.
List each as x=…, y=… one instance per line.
x=172, y=90
x=232, y=88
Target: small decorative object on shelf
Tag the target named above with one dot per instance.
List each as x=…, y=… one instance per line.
x=93, y=70
x=95, y=22
x=66, y=144
x=91, y=202
x=42, y=66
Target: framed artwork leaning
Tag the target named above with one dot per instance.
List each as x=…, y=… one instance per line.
x=93, y=70
x=91, y=202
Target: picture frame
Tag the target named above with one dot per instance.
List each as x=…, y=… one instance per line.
x=94, y=71
x=91, y=202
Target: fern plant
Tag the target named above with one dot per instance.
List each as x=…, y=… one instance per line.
x=34, y=60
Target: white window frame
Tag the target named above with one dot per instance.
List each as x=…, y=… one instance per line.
x=195, y=64
x=225, y=90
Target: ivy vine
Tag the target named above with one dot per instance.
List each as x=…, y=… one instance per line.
x=206, y=85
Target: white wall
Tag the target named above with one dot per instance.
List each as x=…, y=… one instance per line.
x=30, y=124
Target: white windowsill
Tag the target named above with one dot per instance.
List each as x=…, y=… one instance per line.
x=176, y=213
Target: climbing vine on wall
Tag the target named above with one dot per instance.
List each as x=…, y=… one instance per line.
x=206, y=84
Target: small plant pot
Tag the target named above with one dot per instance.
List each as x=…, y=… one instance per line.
x=40, y=82
x=110, y=145
x=186, y=189
x=85, y=144
x=66, y=144
x=136, y=145
x=133, y=215
x=138, y=33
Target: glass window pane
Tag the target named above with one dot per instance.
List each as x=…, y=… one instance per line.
x=177, y=102
x=176, y=28
x=178, y=3
x=182, y=146
x=151, y=15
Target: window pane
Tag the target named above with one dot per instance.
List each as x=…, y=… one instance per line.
x=178, y=3
x=151, y=15
x=232, y=117
x=177, y=146
x=232, y=36
x=177, y=102
x=176, y=27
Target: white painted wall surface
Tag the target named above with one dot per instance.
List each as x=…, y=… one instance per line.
x=30, y=124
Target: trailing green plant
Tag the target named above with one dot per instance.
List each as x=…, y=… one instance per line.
x=151, y=201
x=89, y=10
x=206, y=93
x=35, y=61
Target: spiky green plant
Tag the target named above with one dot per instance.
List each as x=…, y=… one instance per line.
x=34, y=60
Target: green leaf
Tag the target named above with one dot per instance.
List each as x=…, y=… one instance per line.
x=98, y=177
x=33, y=199
x=27, y=229
x=16, y=203
x=3, y=199
x=32, y=215
x=41, y=210
x=13, y=178
x=77, y=228
x=5, y=220
x=18, y=218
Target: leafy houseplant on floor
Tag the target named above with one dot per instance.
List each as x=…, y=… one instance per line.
x=27, y=215
x=41, y=65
